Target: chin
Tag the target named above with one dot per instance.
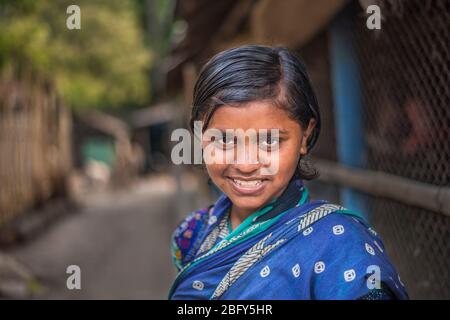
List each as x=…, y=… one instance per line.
x=247, y=203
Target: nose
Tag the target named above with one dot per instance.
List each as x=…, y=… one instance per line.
x=246, y=168
x=247, y=160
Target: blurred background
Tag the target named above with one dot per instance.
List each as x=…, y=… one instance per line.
x=86, y=116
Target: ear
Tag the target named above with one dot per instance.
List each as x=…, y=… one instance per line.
x=306, y=135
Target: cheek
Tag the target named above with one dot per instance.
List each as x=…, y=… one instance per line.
x=286, y=157
x=290, y=156
x=215, y=172
x=213, y=155
x=287, y=163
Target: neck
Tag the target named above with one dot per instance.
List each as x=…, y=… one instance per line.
x=238, y=215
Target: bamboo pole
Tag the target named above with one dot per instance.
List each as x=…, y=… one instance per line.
x=380, y=184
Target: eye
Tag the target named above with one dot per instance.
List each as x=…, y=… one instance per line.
x=225, y=141
x=269, y=142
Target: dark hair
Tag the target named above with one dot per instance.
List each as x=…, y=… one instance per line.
x=254, y=72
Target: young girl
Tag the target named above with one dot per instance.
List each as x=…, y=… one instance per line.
x=264, y=238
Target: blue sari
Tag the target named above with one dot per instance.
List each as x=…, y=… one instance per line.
x=293, y=248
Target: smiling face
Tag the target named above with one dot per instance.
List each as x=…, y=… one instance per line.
x=243, y=181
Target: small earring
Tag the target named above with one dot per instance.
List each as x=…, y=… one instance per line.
x=302, y=151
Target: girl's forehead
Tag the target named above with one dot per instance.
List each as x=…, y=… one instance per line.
x=256, y=115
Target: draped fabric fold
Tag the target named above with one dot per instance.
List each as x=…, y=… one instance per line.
x=293, y=248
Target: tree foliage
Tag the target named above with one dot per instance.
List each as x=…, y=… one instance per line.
x=105, y=64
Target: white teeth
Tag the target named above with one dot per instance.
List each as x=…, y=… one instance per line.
x=247, y=184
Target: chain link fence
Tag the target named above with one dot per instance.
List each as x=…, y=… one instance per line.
x=405, y=80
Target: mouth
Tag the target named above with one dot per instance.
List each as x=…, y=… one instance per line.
x=248, y=186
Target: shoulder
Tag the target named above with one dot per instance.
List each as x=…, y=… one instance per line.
x=191, y=222
x=328, y=223
x=343, y=224
x=340, y=234
x=186, y=233
x=348, y=258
